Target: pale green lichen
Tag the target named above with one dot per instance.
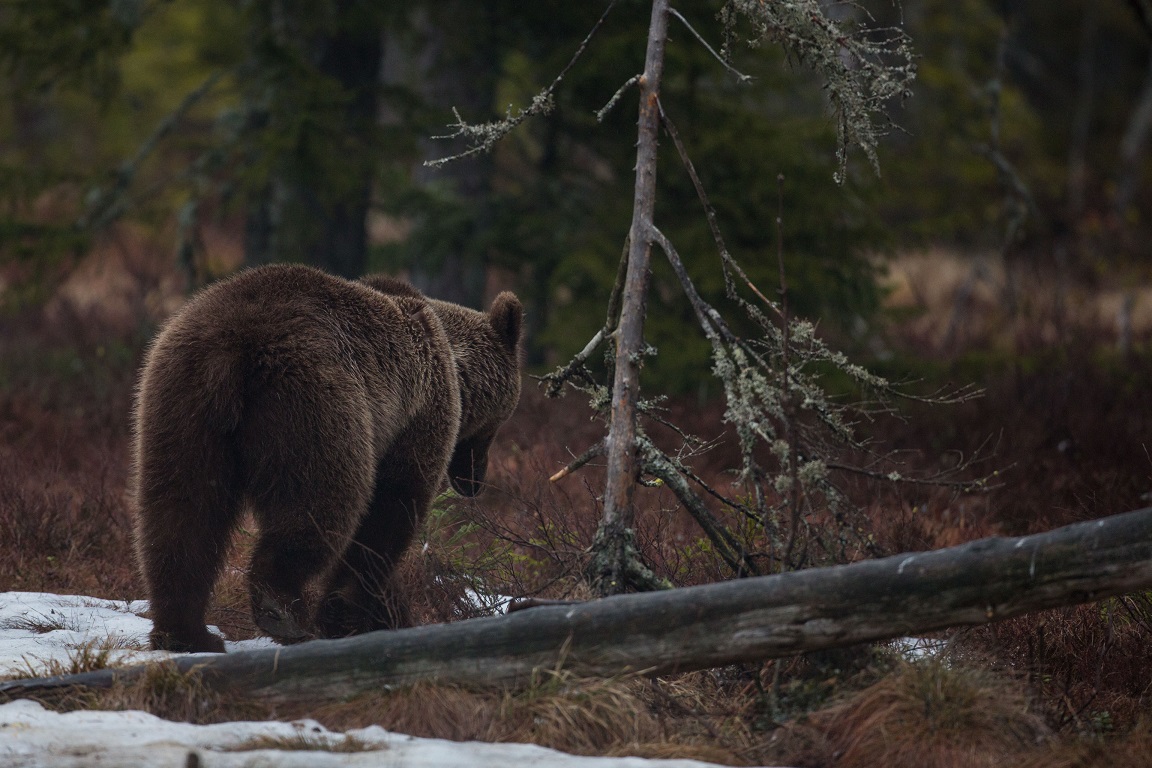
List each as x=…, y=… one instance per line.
x=862, y=69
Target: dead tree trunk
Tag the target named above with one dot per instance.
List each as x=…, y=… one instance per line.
x=615, y=563
x=698, y=627
x=1082, y=114
x=1133, y=147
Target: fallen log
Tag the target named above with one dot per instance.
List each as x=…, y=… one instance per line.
x=699, y=627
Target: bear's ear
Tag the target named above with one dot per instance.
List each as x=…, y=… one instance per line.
x=506, y=316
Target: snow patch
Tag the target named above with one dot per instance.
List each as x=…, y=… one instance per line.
x=37, y=628
x=34, y=737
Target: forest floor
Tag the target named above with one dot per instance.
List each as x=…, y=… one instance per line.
x=1063, y=422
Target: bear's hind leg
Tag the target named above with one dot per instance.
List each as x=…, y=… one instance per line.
x=182, y=534
x=304, y=527
x=284, y=560
x=361, y=594
x=308, y=478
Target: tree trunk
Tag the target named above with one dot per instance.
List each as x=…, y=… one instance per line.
x=615, y=564
x=319, y=126
x=746, y=620
x=1133, y=146
x=1082, y=115
x=449, y=58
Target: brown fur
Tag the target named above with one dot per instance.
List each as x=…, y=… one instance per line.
x=334, y=411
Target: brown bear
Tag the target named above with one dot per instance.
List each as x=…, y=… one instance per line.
x=335, y=411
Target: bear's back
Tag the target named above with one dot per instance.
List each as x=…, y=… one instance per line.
x=279, y=323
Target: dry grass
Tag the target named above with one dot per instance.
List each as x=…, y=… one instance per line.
x=162, y=690
x=952, y=302
x=1130, y=750
x=592, y=717
x=89, y=657
x=933, y=715
x=167, y=692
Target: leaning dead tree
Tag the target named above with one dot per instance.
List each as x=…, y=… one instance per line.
x=743, y=620
x=785, y=422
x=616, y=562
x=774, y=400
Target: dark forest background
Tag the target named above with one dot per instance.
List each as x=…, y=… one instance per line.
x=214, y=133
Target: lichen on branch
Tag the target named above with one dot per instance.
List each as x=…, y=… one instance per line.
x=863, y=69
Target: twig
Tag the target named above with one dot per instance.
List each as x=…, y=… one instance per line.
x=739, y=75
x=744, y=509
x=710, y=213
x=660, y=466
x=557, y=378
x=612, y=316
x=979, y=484
x=579, y=461
x=604, y=110
x=649, y=409
x=710, y=321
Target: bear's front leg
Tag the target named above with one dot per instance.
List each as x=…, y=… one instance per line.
x=361, y=594
x=353, y=609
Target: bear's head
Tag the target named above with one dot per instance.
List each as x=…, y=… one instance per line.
x=487, y=350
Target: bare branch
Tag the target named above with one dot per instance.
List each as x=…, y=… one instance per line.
x=604, y=110
x=657, y=464
x=710, y=320
x=739, y=75
x=980, y=484
x=710, y=213
x=557, y=378
x=593, y=452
